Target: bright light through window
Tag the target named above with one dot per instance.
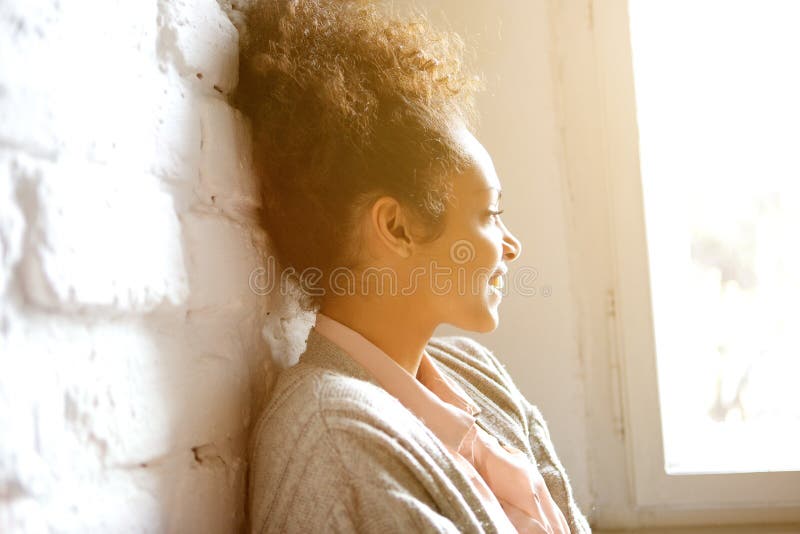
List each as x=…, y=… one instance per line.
x=718, y=98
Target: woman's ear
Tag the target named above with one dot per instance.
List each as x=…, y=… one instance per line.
x=390, y=223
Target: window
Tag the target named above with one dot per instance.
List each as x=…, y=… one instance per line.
x=717, y=107
x=681, y=133
x=719, y=141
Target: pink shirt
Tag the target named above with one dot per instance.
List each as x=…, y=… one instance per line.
x=511, y=487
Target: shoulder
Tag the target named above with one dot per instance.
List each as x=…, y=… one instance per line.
x=482, y=374
x=307, y=399
x=472, y=361
x=321, y=413
x=326, y=439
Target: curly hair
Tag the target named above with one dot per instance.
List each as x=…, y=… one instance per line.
x=348, y=103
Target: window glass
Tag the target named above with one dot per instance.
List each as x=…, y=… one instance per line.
x=718, y=104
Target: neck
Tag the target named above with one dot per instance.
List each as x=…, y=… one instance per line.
x=394, y=325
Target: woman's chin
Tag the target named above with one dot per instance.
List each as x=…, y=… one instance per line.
x=489, y=328
x=479, y=315
x=485, y=321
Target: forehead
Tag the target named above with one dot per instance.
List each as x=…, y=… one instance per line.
x=482, y=175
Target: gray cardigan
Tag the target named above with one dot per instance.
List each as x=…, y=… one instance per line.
x=334, y=452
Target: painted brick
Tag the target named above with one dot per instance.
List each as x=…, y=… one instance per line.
x=56, y=82
x=100, y=237
x=226, y=174
x=220, y=260
x=198, y=39
x=132, y=357
x=12, y=225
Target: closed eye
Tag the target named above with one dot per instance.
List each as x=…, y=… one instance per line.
x=493, y=212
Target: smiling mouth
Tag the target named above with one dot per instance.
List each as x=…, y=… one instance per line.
x=497, y=282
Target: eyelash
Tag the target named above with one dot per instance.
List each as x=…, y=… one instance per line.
x=498, y=212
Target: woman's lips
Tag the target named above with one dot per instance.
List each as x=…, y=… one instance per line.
x=497, y=281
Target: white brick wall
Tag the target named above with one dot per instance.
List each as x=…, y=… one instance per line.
x=131, y=348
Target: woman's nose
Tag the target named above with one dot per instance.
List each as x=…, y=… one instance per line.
x=512, y=247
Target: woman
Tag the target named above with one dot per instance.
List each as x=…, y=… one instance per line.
x=385, y=207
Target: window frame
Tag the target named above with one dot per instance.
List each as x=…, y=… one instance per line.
x=596, y=100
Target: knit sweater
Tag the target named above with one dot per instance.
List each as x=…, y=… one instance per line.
x=334, y=452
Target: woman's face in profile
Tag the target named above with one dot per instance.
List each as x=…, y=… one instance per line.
x=468, y=261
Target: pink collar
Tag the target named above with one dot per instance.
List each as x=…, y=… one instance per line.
x=443, y=405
